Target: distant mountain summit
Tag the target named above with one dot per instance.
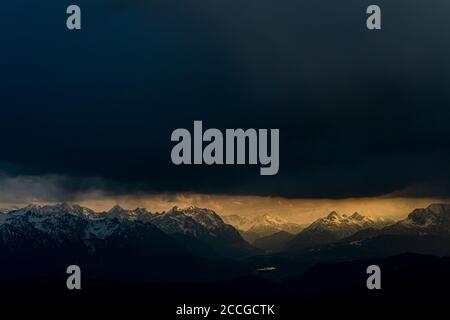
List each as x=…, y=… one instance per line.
x=342, y=223
x=423, y=231
x=433, y=220
x=261, y=226
x=175, y=219
x=333, y=228
x=203, y=231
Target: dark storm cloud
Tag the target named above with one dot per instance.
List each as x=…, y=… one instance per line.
x=360, y=113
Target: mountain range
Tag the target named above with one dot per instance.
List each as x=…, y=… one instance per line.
x=200, y=230
x=433, y=220
x=335, y=238
x=423, y=231
x=191, y=225
x=203, y=231
x=45, y=237
x=332, y=228
x=138, y=244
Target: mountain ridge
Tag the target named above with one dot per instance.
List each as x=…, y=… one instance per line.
x=113, y=247
x=200, y=230
x=332, y=228
x=261, y=226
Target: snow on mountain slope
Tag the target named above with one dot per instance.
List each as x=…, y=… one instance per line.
x=261, y=226
x=204, y=225
x=201, y=230
x=175, y=221
x=332, y=228
x=58, y=224
x=260, y=222
x=433, y=220
x=49, y=238
x=117, y=212
x=342, y=223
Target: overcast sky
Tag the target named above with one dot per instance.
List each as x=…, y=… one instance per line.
x=361, y=114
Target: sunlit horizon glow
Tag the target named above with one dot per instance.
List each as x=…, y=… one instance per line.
x=300, y=211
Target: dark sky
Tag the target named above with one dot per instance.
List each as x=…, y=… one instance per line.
x=360, y=113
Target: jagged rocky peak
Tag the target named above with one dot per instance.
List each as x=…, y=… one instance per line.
x=174, y=211
x=32, y=206
x=121, y=213
x=117, y=209
x=439, y=208
x=433, y=212
x=335, y=220
x=357, y=216
x=74, y=209
x=59, y=208
x=432, y=220
x=267, y=219
x=193, y=210
x=141, y=211
x=332, y=228
x=206, y=217
x=333, y=215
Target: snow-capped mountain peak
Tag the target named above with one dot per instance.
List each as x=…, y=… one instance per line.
x=206, y=217
x=334, y=216
x=434, y=219
x=67, y=223
x=333, y=227
x=67, y=208
x=268, y=220
x=56, y=209
x=335, y=220
x=261, y=226
x=356, y=216
x=117, y=208
x=188, y=220
x=264, y=220
x=120, y=213
x=138, y=214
